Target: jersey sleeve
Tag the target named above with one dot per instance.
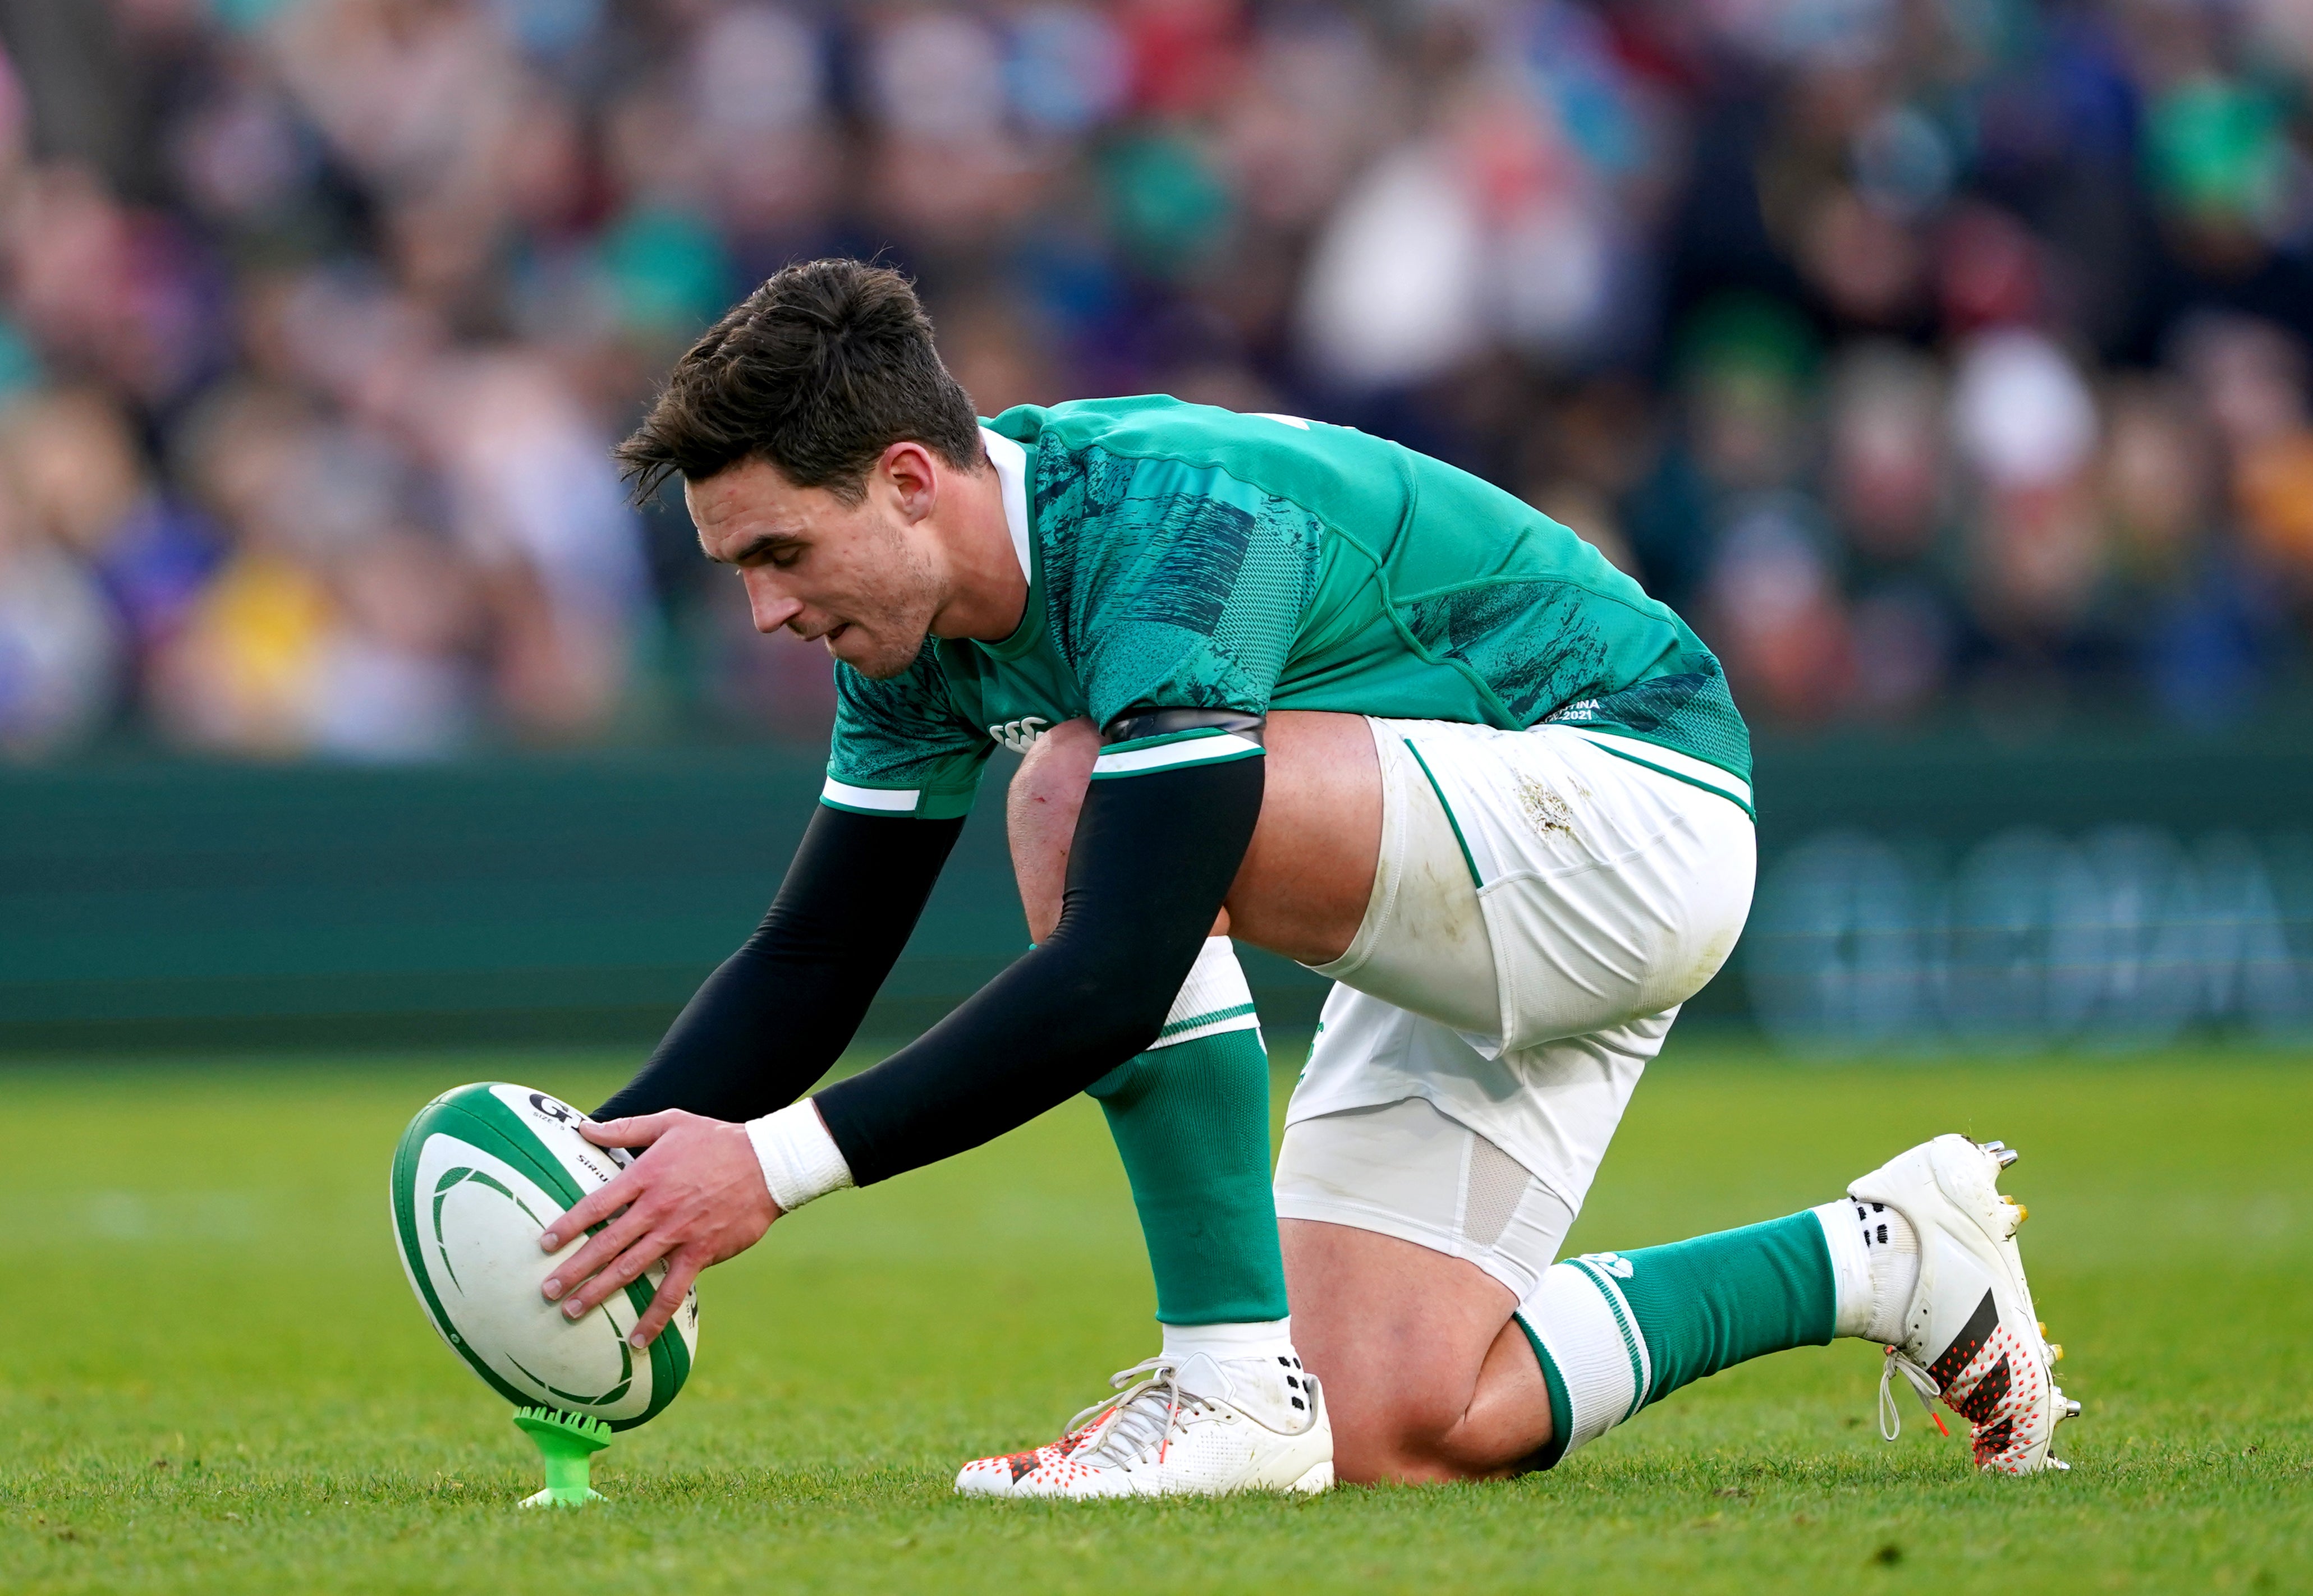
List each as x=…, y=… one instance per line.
x=900, y=747
x=1173, y=584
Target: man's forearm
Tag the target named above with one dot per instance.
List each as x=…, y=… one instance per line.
x=778, y=1013
x=1153, y=859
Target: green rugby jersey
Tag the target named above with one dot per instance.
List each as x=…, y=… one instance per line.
x=1184, y=556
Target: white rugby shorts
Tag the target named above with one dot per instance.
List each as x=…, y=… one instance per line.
x=1543, y=902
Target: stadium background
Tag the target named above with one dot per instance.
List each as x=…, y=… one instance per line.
x=1946, y=361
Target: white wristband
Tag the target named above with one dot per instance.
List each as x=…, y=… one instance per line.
x=800, y=1159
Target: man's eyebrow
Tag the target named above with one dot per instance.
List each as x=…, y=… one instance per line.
x=756, y=548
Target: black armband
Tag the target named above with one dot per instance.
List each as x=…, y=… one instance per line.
x=1140, y=721
x=1153, y=858
x=778, y=1012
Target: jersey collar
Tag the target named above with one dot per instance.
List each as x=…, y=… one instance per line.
x=1011, y=463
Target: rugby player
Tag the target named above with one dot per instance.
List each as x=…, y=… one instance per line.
x=1290, y=682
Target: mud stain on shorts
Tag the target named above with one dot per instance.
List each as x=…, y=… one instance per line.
x=1712, y=958
x=1545, y=810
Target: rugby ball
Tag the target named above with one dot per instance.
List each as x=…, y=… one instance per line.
x=478, y=1177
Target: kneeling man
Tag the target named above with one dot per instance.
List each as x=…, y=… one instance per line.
x=1290, y=682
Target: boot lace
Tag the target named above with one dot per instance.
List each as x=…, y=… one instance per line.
x=1138, y=1418
x=1891, y=1417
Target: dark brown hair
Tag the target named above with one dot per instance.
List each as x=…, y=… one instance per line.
x=818, y=371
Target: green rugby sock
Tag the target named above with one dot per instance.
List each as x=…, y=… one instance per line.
x=1190, y=1119
x=1616, y=1332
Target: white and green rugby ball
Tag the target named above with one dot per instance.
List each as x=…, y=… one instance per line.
x=478, y=1175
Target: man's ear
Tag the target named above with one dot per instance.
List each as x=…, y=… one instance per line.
x=913, y=476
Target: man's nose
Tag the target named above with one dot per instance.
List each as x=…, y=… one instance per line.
x=770, y=608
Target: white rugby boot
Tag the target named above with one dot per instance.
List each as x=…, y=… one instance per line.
x=1198, y=1426
x=1969, y=1335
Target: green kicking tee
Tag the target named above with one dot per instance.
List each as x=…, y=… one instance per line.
x=1182, y=556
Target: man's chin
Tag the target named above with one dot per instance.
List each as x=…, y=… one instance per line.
x=876, y=660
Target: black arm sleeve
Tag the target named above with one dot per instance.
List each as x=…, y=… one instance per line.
x=1153, y=858
x=776, y=1014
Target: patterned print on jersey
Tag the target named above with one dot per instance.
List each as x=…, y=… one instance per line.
x=903, y=735
x=1691, y=711
x=1540, y=646
x=1191, y=595
x=1534, y=644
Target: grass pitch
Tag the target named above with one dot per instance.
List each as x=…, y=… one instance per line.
x=216, y=1379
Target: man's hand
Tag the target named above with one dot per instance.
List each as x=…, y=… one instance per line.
x=695, y=1198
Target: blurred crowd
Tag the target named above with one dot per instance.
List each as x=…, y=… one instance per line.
x=1941, y=358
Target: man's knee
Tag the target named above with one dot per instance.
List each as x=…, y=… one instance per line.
x=1058, y=765
x=1406, y=1429
x=1399, y=1337
x=1041, y=816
